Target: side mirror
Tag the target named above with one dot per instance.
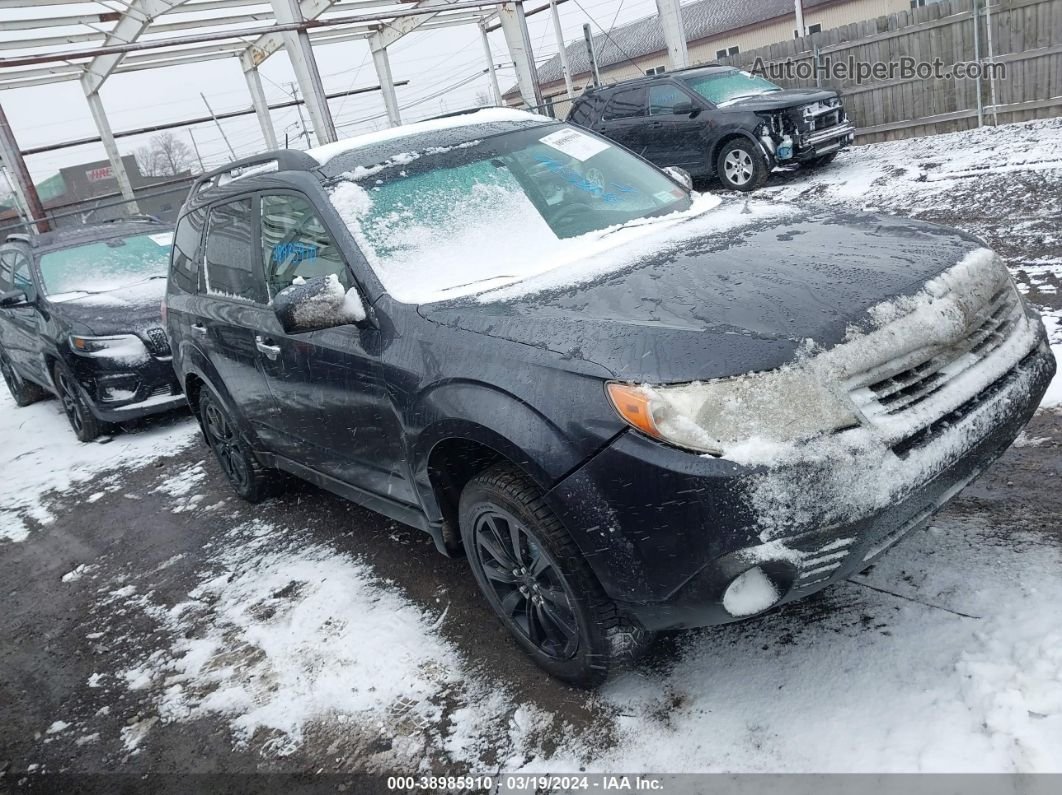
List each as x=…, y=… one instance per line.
x=13, y=298
x=685, y=109
x=318, y=303
x=680, y=175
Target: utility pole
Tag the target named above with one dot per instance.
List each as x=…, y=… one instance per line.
x=302, y=121
x=562, y=50
x=801, y=31
x=25, y=190
x=593, y=56
x=220, y=128
x=674, y=32
x=494, y=87
x=195, y=147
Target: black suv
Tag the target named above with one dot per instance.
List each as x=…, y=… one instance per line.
x=717, y=120
x=79, y=318
x=632, y=407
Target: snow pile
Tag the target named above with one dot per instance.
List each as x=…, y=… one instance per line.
x=41, y=454
x=183, y=482
x=282, y=633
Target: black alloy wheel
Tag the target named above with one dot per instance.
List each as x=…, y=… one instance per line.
x=249, y=479
x=539, y=584
x=84, y=423
x=22, y=392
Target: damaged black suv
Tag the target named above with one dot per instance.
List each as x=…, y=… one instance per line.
x=718, y=121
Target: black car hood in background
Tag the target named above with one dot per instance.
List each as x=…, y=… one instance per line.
x=717, y=306
x=776, y=100
x=119, y=311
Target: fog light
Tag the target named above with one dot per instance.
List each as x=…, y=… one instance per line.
x=750, y=592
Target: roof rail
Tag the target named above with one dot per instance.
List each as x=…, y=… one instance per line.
x=285, y=160
x=142, y=218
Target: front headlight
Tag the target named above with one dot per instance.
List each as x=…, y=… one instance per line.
x=778, y=406
x=128, y=347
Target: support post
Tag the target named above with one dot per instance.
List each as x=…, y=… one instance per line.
x=674, y=33
x=801, y=31
x=300, y=53
x=494, y=87
x=562, y=51
x=22, y=184
x=594, y=71
x=261, y=107
x=514, y=26
x=99, y=115
x=383, y=76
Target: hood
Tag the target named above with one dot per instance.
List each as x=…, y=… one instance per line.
x=119, y=311
x=723, y=304
x=777, y=100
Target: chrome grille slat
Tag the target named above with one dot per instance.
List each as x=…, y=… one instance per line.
x=892, y=391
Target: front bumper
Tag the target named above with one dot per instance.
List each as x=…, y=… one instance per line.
x=119, y=392
x=667, y=531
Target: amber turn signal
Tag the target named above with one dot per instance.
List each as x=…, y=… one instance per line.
x=632, y=403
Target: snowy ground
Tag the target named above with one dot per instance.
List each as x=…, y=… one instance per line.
x=152, y=621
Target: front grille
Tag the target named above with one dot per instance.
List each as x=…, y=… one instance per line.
x=828, y=120
x=157, y=341
x=911, y=386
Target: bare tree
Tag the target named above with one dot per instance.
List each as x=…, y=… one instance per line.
x=483, y=99
x=165, y=155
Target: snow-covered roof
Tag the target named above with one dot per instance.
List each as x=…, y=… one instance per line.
x=644, y=36
x=322, y=154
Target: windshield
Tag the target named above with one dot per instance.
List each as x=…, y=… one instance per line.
x=492, y=210
x=719, y=88
x=106, y=265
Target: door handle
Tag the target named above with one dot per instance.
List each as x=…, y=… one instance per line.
x=199, y=327
x=265, y=346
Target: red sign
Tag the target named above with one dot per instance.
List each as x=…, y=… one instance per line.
x=99, y=174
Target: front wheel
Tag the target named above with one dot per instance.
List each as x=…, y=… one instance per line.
x=539, y=584
x=741, y=165
x=249, y=479
x=84, y=423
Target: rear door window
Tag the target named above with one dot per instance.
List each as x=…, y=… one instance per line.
x=296, y=244
x=232, y=253
x=627, y=104
x=184, y=271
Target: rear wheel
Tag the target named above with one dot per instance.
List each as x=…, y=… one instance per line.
x=84, y=423
x=538, y=583
x=22, y=391
x=249, y=479
x=741, y=165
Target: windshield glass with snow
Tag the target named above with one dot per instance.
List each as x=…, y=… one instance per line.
x=719, y=88
x=106, y=265
x=494, y=210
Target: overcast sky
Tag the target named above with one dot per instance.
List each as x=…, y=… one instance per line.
x=431, y=61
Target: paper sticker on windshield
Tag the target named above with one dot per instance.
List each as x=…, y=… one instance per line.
x=163, y=239
x=574, y=144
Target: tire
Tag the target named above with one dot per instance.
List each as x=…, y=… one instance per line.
x=825, y=160
x=248, y=478
x=22, y=391
x=539, y=584
x=83, y=422
x=741, y=165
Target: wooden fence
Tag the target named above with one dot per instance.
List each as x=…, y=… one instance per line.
x=1024, y=37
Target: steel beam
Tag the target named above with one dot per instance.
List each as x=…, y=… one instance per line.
x=514, y=26
x=562, y=49
x=674, y=33
x=494, y=87
x=261, y=107
x=303, y=63
x=21, y=183
x=129, y=28
x=99, y=115
x=386, y=80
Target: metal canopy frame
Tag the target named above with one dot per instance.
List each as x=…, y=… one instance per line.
x=135, y=35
